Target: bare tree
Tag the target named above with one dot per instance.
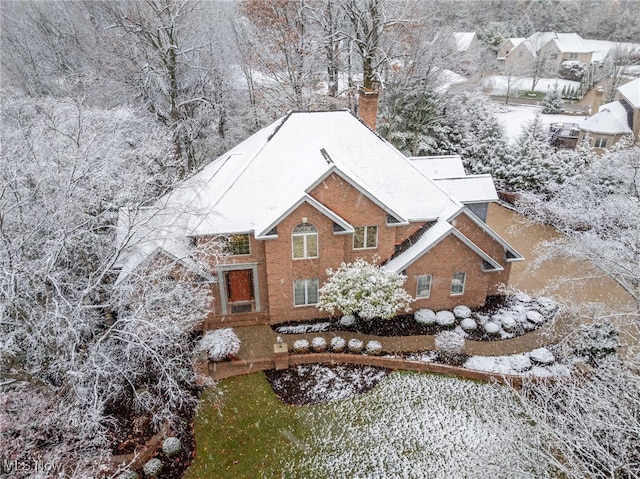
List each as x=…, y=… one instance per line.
x=74, y=347
x=575, y=427
x=598, y=211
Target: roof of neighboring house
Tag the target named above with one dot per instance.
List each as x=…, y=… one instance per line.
x=611, y=119
x=256, y=184
x=463, y=40
x=601, y=48
x=631, y=92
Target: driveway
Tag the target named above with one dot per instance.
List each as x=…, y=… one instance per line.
x=576, y=283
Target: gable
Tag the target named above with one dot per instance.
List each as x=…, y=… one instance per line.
x=339, y=194
x=482, y=234
x=266, y=230
x=432, y=236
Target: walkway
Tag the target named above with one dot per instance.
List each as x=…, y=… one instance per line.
x=574, y=282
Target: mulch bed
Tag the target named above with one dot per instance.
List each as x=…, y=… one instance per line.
x=131, y=433
x=404, y=324
x=307, y=385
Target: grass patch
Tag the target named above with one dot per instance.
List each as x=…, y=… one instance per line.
x=531, y=95
x=245, y=433
x=410, y=425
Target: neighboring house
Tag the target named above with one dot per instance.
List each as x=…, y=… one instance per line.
x=467, y=47
x=614, y=120
x=552, y=48
x=313, y=190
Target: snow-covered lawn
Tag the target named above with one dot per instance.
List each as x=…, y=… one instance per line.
x=514, y=117
x=411, y=426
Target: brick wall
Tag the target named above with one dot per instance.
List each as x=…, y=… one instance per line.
x=490, y=246
x=447, y=257
x=277, y=275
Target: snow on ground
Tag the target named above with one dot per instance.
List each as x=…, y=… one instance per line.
x=498, y=84
x=514, y=117
x=318, y=383
x=411, y=426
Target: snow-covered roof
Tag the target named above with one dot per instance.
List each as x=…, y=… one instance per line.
x=470, y=189
x=256, y=184
x=611, y=119
x=601, y=48
x=631, y=92
x=463, y=40
x=436, y=167
x=428, y=240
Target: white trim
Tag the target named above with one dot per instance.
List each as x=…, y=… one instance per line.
x=464, y=283
x=348, y=229
x=418, y=276
x=306, y=292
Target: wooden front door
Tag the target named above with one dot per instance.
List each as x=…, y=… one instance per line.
x=240, y=285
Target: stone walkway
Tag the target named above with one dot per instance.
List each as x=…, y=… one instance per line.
x=575, y=282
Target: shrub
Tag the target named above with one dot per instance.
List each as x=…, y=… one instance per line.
x=374, y=348
x=491, y=328
x=446, y=319
x=542, y=356
x=520, y=363
x=355, y=345
x=597, y=340
x=338, y=344
x=319, y=344
x=347, y=320
x=450, y=346
x=469, y=324
x=508, y=323
x=171, y=446
x=220, y=344
x=301, y=346
x=365, y=289
x=152, y=468
x=425, y=317
x=462, y=312
x=534, y=317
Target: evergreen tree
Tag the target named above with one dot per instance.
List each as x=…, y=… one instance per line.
x=552, y=102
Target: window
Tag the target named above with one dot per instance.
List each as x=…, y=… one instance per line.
x=573, y=56
x=305, y=292
x=365, y=237
x=600, y=143
x=553, y=56
x=238, y=244
x=424, y=286
x=457, y=283
x=305, y=241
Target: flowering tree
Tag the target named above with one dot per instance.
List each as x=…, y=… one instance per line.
x=364, y=289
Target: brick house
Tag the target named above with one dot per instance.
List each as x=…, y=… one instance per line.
x=615, y=120
x=313, y=190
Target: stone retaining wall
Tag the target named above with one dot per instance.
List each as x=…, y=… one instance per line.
x=235, y=368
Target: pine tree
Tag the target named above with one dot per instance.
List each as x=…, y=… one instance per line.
x=552, y=102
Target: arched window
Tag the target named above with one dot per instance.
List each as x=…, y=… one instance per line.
x=305, y=241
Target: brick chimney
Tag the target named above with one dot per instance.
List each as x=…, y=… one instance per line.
x=368, y=106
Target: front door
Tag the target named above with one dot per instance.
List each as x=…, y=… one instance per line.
x=240, y=285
